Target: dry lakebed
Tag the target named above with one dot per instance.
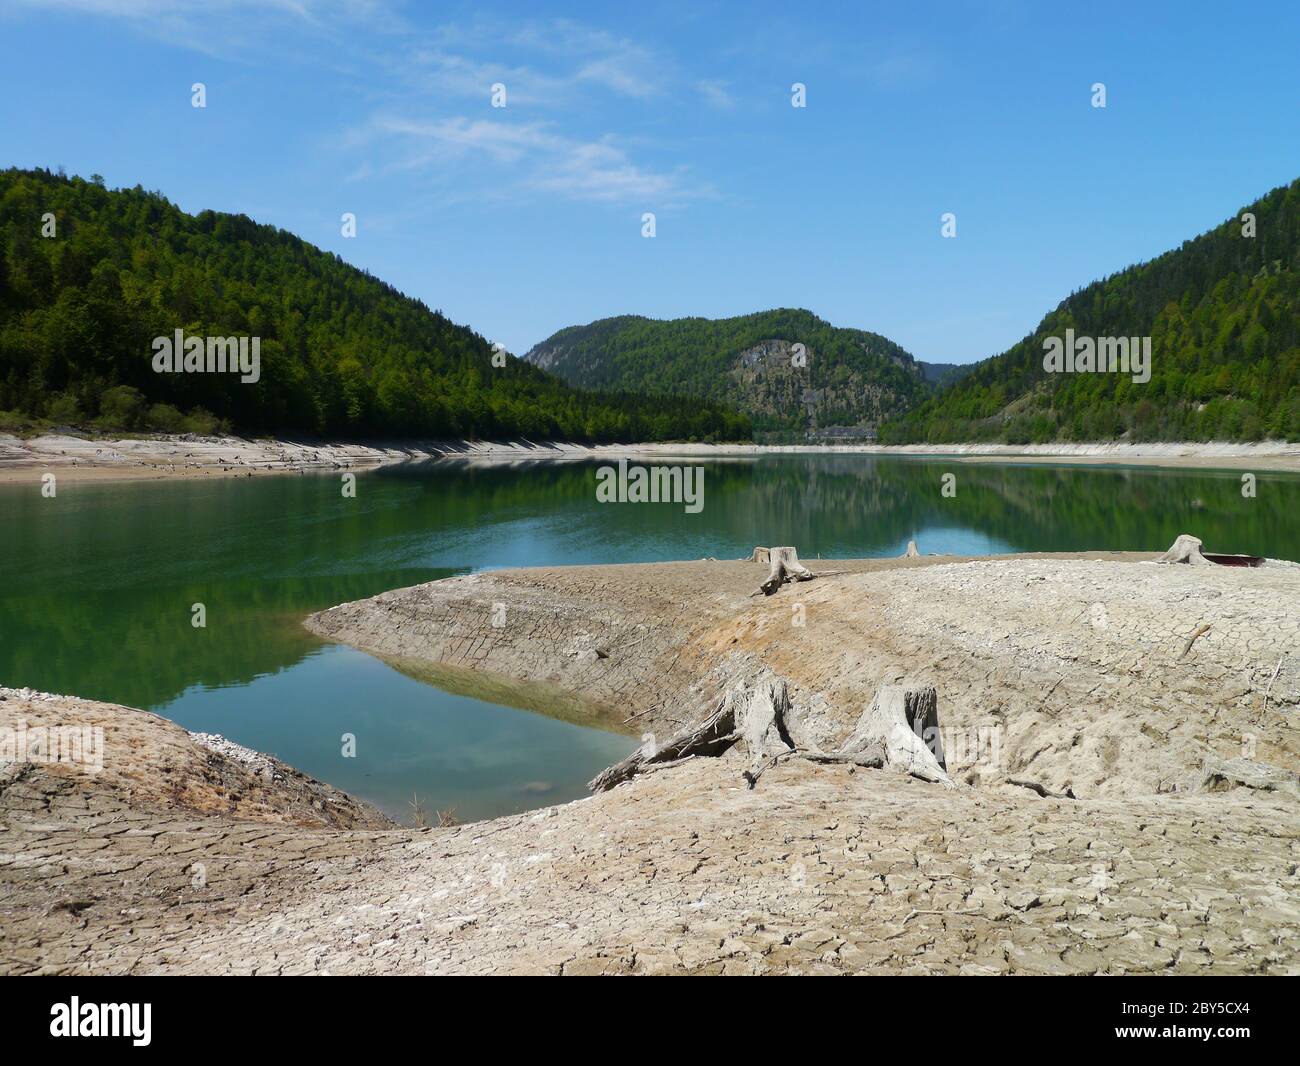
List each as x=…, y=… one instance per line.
x=1113, y=787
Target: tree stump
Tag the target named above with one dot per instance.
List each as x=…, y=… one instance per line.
x=900, y=729
x=911, y=552
x=785, y=566
x=905, y=723
x=1186, y=549
x=1219, y=775
x=760, y=720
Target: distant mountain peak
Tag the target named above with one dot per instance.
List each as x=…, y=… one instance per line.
x=790, y=370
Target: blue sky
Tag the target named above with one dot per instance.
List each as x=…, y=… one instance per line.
x=520, y=220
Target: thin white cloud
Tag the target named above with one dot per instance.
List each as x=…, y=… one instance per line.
x=317, y=10
x=237, y=30
x=598, y=171
x=715, y=93
x=504, y=142
x=617, y=73
x=547, y=65
x=540, y=62
x=527, y=157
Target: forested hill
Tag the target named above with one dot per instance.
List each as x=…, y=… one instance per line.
x=1223, y=315
x=849, y=378
x=341, y=352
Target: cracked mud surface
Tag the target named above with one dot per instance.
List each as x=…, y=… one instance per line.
x=1076, y=665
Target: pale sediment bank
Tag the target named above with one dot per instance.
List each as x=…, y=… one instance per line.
x=161, y=457
x=1209, y=455
x=1078, y=661
x=1081, y=671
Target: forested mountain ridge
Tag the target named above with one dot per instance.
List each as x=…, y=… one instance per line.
x=843, y=377
x=942, y=374
x=1223, y=315
x=90, y=276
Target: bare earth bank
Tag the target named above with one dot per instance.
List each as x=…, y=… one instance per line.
x=1080, y=667
x=190, y=456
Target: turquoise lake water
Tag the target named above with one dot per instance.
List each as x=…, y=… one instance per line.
x=98, y=584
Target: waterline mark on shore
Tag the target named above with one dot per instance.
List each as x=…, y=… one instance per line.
x=179, y=354
x=71, y=745
x=653, y=484
x=1099, y=355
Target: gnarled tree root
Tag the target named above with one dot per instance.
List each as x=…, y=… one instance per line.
x=712, y=737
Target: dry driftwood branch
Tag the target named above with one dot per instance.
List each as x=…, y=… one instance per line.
x=751, y=776
x=651, y=767
x=785, y=566
x=1185, y=549
x=1046, y=793
x=872, y=760
x=1200, y=631
x=914, y=912
x=1269, y=691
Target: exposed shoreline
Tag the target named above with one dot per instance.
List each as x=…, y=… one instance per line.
x=657, y=644
x=1081, y=664
x=189, y=457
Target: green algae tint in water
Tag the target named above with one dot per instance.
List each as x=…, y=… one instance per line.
x=98, y=584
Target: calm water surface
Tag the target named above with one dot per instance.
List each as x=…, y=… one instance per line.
x=97, y=584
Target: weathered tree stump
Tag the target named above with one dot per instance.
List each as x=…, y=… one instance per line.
x=785, y=566
x=1218, y=775
x=1186, y=549
x=760, y=723
x=911, y=552
x=904, y=722
x=899, y=729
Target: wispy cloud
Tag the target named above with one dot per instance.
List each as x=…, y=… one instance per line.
x=526, y=157
x=603, y=58
x=237, y=30
x=428, y=87
x=716, y=95
x=597, y=171
x=542, y=62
